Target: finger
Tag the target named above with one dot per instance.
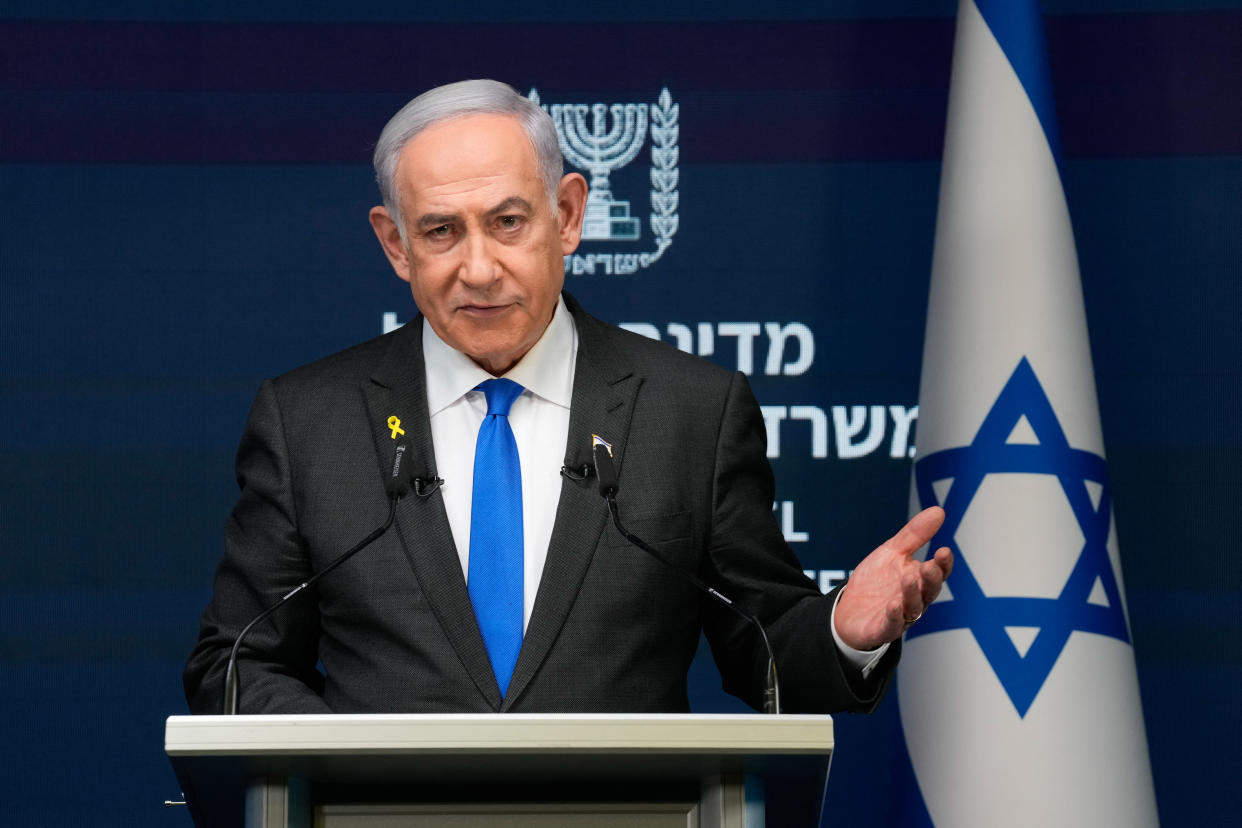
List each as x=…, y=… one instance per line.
x=911, y=596
x=895, y=613
x=944, y=559
x=932, y=580
x=915, y=534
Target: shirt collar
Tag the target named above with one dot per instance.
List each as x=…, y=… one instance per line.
x=547, y=370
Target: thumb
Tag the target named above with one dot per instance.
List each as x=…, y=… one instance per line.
x=915, y=534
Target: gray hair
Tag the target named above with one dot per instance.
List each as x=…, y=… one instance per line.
x=455, y=100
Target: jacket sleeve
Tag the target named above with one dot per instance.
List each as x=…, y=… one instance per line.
x=265, y=557
x=748, y=560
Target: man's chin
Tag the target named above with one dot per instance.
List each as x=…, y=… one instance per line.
x=494, y=356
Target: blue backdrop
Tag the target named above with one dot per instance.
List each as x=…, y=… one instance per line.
x=183, y=202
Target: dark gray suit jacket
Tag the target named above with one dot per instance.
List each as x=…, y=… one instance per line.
x=612, y=630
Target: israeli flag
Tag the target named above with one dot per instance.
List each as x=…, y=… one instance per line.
x=1017, y=689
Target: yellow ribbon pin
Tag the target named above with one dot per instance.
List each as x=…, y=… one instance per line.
x=394, y=423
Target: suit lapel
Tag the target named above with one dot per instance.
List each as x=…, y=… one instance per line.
x=397, y=389
x=603, y=401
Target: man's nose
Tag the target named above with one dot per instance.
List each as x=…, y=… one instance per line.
x=479, y=267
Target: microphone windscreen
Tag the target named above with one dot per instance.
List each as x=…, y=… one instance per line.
x=397, y=481
x=604, y=470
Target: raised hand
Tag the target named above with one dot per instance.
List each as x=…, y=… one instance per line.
x=890, y=589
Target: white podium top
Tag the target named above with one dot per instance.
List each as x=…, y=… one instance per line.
x=522, y=757
x=465, y=734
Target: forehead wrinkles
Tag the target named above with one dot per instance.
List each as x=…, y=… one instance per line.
x=469, y=194
x=485, y=184
x=461, y=154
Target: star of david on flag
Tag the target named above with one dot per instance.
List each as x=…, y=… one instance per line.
x=1021, y=435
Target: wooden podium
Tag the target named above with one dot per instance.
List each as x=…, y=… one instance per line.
x=551, y=771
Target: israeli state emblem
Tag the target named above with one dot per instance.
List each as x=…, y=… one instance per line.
x=600, y=139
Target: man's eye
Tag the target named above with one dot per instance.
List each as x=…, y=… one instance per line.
x=440, y=232
x=509, y=222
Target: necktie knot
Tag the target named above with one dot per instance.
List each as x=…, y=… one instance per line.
x=500, y=395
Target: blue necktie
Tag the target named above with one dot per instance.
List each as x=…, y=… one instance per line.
x=496, y=574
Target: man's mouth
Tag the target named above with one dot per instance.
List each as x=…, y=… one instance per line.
x=484, y=311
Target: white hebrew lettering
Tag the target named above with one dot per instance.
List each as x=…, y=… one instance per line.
x=701, y=337
x=791, y=534
x=390, y=322
x=745, y=333
x=819, y=427
x=777, y=334
x=707, y=342
x=772, y=416
x=902, y=418
x=829, y=578
x=847, y=429
x=625, y=263
x=681, y=333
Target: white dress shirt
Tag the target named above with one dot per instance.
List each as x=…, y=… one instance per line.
x=540, y=422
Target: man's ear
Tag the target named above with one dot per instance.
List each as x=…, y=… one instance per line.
x=571, y=196
x=390, y=239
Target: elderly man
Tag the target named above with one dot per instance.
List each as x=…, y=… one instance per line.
x=504, y=588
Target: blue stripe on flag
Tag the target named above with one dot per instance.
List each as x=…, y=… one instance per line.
x=1018, y=27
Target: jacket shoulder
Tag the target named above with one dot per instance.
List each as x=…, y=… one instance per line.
x=650, y=357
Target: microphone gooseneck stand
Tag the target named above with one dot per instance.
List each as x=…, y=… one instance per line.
x=230, y=675
x=396, y=485
x=608, y=488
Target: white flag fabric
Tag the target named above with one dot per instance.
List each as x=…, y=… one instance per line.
x=1017, y=689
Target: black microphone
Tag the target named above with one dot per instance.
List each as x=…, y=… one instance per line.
x=575, y=473
x=608, y=487
x=397, y=483
x=426, y=486
x=605, y=471
x=396, y=486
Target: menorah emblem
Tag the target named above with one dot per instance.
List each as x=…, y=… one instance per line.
x=600, y=149
x=601, y=138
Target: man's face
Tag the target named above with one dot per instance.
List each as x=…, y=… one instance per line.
x=483, y=247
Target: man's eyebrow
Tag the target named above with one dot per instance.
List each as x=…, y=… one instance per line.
x=430, y=220
x=510, y=203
